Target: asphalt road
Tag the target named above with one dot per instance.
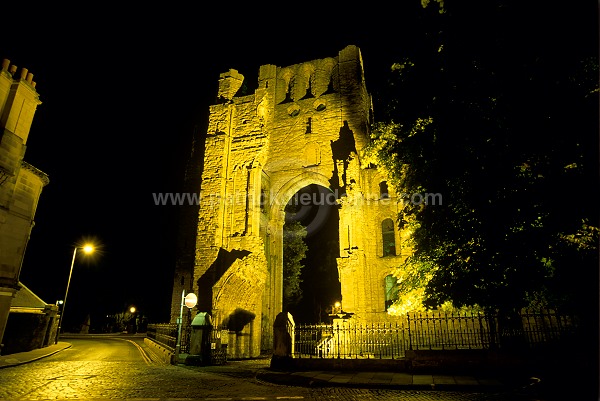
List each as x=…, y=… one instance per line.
x=98, y=368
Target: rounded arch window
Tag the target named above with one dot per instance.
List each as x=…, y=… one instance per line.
x=383, y=190
x=391, y=290
x=388, y=235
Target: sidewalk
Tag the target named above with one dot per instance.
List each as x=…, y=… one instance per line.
x=384, y=380
x=20, y=358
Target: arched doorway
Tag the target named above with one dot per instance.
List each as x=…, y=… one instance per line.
x=310, y=248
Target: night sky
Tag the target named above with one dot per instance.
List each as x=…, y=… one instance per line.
x=122, y=92
x=121, y=97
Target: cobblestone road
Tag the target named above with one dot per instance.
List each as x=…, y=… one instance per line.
x=131, y=380
x=119, y=370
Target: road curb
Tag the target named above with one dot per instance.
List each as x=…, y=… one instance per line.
x=7, y=361
x=290, y=379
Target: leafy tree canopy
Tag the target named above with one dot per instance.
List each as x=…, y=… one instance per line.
x=496, y=110
x=294, y=252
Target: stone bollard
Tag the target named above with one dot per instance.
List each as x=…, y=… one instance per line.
x=200, y=340
x=283, y=341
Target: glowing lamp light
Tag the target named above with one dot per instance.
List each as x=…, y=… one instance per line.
x=191, y=300
x=87, y=249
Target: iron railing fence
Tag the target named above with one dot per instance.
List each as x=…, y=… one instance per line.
x=447, y=331
x=429, y=331
x=165, y=334
x=350, y=340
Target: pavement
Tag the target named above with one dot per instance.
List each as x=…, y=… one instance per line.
x=383, y=380
x=20, y=358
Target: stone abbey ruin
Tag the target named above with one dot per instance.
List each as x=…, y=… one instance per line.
x=305, y=125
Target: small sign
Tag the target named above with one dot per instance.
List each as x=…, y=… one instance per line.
x=191, y=300
x=213, y=345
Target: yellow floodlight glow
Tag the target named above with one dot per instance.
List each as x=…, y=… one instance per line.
x=88, y=248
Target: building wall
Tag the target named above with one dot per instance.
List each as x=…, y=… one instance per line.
x=20, y=183
x=364, y=266
x=30, y=328
x=305, y=124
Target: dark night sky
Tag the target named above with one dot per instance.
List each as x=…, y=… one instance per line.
x=121, y=92
x=120, y=97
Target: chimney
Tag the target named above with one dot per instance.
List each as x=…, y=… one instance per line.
x=5, y=64
x=23, y=73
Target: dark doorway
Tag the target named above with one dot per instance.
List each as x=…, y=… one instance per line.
x=314, y=207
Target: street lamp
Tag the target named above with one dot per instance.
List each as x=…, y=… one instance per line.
x=87, y=249
x=132, y=324
x=190, y=301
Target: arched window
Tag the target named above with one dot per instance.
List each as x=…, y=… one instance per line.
x=389, y=237
x=391, y=290
x=383, y=190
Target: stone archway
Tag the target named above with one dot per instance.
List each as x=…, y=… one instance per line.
x=305, y=124
x=276, y=222
x=311, y=283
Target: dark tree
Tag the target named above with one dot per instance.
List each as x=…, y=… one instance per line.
x=496, y=110
x=294, y=252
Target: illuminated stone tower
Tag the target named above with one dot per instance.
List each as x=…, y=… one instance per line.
x=20, y=183
x=305, y=124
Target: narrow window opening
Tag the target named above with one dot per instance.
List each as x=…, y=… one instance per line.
x=391, y=290
x=383, y=190
x=389, y=237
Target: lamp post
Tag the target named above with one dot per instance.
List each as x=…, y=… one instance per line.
x=132, y=322
x=87, y=249
x=190, y=301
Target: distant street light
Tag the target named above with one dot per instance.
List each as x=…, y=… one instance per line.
x=337, y=308
x=132, y=324
x=87, y=249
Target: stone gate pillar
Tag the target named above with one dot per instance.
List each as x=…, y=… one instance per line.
x=283, y=340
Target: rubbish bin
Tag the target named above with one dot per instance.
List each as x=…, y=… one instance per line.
x=200, y=340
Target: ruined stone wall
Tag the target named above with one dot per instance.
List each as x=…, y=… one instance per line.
x=363, y=265
x=305, y=124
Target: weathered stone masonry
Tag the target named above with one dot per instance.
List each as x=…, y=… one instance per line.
x=21, y=184
x=305, y=124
